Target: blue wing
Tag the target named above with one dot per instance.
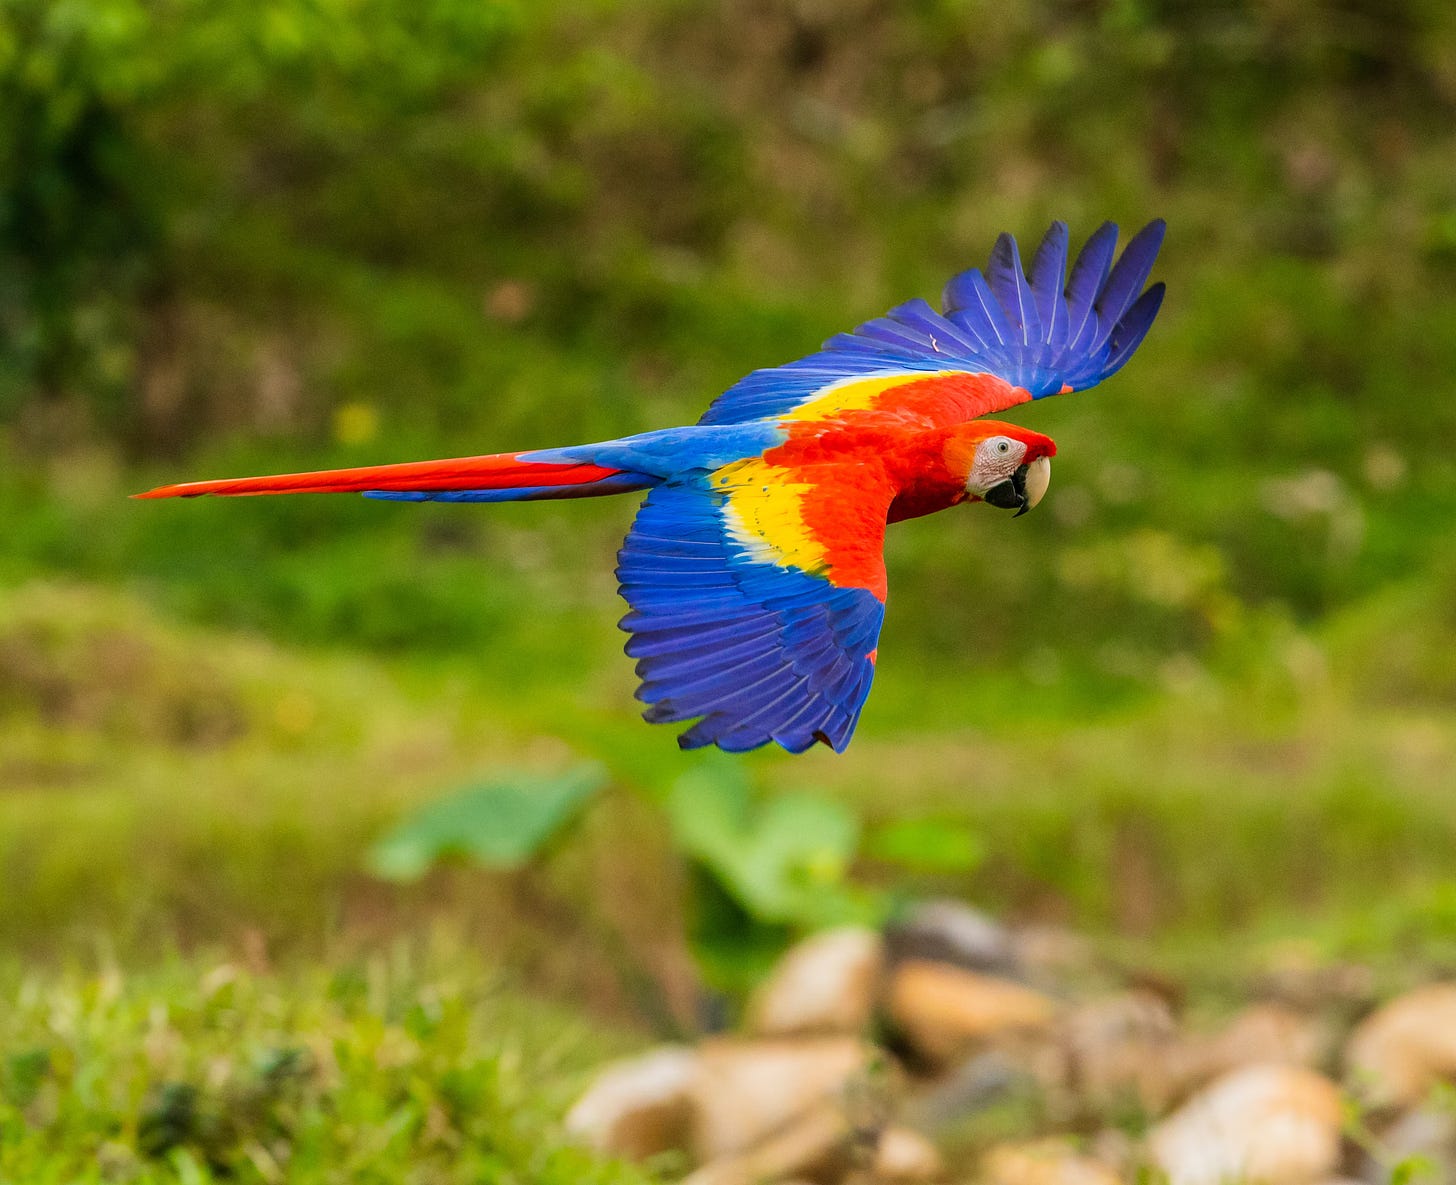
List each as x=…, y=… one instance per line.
x=724, y=632
x=1042, y=334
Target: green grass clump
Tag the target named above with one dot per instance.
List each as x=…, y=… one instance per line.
x=401, y=1066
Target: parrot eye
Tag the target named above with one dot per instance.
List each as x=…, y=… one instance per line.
x=1003, y=447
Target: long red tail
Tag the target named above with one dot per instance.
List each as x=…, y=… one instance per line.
x=504, y=472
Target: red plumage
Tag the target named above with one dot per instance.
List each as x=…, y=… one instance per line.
x=501, y=471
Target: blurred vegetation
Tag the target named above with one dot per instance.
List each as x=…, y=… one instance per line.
x=1212, y=683
x=399, y=1067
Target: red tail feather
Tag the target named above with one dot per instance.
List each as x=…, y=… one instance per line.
x=503, y=471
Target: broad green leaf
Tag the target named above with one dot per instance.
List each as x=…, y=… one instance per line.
x=783, y=861
x=708, y=810
x=501, y=824
x=802, y=845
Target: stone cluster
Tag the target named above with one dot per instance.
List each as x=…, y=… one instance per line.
x=864, y=1057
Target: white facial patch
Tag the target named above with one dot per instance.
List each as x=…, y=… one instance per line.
x=996, y=460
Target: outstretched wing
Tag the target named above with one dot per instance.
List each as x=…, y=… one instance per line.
x=1004, y=338
x=757, y=595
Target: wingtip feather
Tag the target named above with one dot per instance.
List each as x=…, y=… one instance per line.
x=1008, y=281
x=1134, y=326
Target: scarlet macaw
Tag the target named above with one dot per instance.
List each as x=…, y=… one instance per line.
x=754, y=568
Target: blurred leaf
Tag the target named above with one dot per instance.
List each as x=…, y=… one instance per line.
x=783, y=862
x=733, y=949
x=169, y=1119
x=927, y=845
x=502, y=824
x=24, y=1074
x=1412, y=1169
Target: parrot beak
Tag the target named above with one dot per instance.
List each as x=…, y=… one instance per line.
x=1023, y=489
x=1038, y=478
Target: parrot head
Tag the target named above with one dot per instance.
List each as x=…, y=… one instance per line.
x=1002, y=464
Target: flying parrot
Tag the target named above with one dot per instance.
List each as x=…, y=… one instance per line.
x=754, y=569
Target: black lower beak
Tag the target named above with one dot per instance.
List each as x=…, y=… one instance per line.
x=1010, y=494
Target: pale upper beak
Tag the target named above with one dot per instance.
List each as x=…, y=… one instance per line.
x=1023, y=489
x=1038, y=478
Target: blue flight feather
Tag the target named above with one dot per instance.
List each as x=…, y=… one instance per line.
x=1048, y=276
x=755, y=651
x=1008, y=282
x=1089, y=274
x=1128, y=276
x=977, y=306
x=1134, y=327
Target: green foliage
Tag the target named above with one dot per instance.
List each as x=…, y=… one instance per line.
x=416, y=1064
x=1412, y=1169
x=502, y=824
x=25, y=1074
x=783, y=860
x=763, y=870
x=106, y=101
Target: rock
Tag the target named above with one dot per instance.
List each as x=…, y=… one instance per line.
x=1295, y=973
x=1261, y=1033
x=1043, y=1162
x=1128, y=1048
x=905, y=1155
x=825, y=984
x=639, y=1107
x=1052, y=955
x=817, y=1144
x=1260, y=1125
x=1121, y=1048
x=1400, y=1051
x=948, y=931
x=944, y=1012
x=746, y=1090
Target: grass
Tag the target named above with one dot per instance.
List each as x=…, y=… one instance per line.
x=418, y=1063
x=162, y=783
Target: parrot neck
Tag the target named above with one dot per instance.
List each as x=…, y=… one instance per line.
x=911, y=461
x=924, y=478
x=919, y=501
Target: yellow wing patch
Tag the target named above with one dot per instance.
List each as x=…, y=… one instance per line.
x=764, y=515
x=857, y=394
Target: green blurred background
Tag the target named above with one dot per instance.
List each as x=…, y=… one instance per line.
x=1210, y=684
